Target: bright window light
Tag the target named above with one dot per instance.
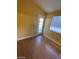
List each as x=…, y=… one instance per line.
x=56, y=24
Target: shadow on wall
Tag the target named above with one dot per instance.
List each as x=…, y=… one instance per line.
x=27, y=18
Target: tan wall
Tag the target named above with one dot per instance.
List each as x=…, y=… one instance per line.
x=27, y=18
x=53, y=35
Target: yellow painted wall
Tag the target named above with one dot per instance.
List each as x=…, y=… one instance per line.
x=53, y=35
x=27, y=18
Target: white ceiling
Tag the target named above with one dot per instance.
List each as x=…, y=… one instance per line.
x=49, y=5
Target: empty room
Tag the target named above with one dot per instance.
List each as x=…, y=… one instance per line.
x=38, y=29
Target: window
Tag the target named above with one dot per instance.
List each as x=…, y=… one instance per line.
x=56, y=24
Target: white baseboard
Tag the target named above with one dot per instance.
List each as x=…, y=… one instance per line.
x=38, y=34
x=26, y=37
x=52, y=39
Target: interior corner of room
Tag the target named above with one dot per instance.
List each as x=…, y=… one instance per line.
x=30, y=13
x=38, y=29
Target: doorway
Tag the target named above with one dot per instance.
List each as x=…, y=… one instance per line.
x=40, y=25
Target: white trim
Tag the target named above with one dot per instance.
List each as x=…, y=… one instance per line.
x=52, y=39
x=27, y=37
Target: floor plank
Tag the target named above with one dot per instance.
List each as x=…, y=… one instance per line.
x=38, y=47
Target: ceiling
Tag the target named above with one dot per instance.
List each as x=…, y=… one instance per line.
x=49, y=5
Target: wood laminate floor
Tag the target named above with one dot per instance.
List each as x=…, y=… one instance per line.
x=38, y=47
